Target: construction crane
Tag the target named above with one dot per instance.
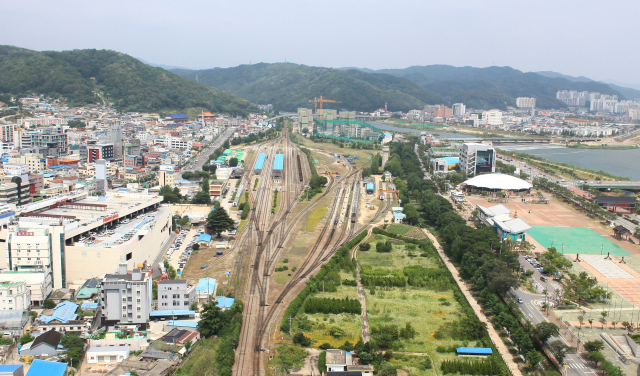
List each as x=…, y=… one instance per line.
x=321, y=100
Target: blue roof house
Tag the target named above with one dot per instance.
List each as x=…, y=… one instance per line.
x=43, y=367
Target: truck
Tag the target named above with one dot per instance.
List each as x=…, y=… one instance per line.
x=219, y=253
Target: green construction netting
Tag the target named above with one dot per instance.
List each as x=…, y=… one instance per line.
x=347, y=130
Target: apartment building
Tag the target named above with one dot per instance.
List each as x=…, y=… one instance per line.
x=99, y=151
x=8, y=131
x=525, y=102
x=167, y=178
x=126, y=296
x=459, y=109
x=175, y=294
x=492, y=117
x=14, y=295
x=30, y=257
x=33, y=161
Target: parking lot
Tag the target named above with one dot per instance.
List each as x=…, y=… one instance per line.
x=122, y=233
x=181, y=250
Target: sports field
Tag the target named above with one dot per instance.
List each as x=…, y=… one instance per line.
x=575, y=239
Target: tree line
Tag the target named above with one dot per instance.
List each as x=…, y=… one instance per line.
x=341, y=260
x=332, y=305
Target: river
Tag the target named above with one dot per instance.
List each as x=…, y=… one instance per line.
x=617, y=162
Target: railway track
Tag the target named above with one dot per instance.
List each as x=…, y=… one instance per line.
x=265, y=236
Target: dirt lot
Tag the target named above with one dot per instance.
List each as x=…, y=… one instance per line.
x=555, y=214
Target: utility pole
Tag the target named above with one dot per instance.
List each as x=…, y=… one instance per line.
x=290, y=321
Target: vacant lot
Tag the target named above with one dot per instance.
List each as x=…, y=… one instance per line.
x=424, y=309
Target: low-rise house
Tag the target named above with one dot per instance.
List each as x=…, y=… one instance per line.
x=14, y=295
x=43, y=367
x=107, y=354
x=175, y=294
x=11, y=370
x=45, y=344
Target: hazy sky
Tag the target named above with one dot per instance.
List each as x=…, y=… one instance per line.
x=587, y=37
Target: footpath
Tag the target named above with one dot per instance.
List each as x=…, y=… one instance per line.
x=366, y=333
x=493, y=335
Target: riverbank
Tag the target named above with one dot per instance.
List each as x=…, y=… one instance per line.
x=602, y=147
x=567, y=169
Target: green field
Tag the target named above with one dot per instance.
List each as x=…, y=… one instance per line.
x=575, y=239
x=397, y=259
x=406, y=230
x=425, y=309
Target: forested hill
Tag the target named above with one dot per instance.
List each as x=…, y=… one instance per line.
x=493, y=86
x=289, y=86
x=128, y=83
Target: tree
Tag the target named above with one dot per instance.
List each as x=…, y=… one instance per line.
x=194, y=306
x=26, y=338
x=595, y=345
x=233, y=162
x=365, y=357
x=187, y=344
x=196, y=246
x=387, y=370
x=218, y=221
x=211, y=320
x=365, y=247
x=533, y=358
x=545, y=330
x=48, y=304
x=559, y=350
x=202, y=198
x=302, y=340
x=74, y=346
x=603, y=319
x=596, y=357
x=305, y=130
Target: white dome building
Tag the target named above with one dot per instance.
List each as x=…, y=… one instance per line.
x=497, y=182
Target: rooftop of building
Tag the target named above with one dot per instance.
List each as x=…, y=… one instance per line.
x=98, y=209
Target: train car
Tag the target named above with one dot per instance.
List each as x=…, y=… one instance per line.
x=354, y=205
x=299, y=167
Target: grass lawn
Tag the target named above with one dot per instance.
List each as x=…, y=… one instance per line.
x=243, y=224
x=398, y=258
x=200, y=362
x=281, y=277
x=322, y=324
x=426, y=310
x=315, y=216
x=277, y=206
x=363, y=154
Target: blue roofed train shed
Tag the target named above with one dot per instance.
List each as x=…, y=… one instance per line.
x=257, y=168
x=278, y=165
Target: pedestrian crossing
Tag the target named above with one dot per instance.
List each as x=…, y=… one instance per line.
x=575, y=365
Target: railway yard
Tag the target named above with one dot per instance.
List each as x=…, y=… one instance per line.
x=273, y=235
x=268, y=237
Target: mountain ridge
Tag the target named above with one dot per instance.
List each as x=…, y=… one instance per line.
x=127, y=82
x=288, y=86
x=480, y=88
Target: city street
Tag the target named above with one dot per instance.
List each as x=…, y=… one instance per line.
x=576, y=366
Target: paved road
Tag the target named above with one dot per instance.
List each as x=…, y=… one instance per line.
x=204, y=155
x=577, y=367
